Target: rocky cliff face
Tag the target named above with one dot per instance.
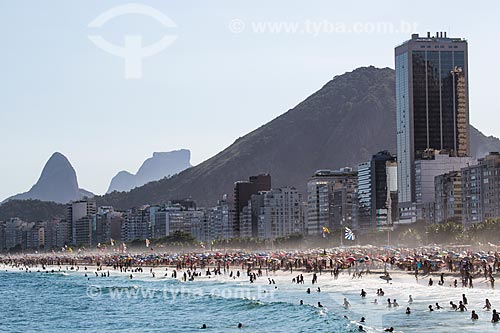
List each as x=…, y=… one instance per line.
x=161, y=165
x=57, y=183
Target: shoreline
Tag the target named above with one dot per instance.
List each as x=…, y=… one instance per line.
x=378, y=316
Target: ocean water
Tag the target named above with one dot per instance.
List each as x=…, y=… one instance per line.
x=56, y=302
x=70, y=302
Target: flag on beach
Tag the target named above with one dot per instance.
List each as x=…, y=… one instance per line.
x=349, y=235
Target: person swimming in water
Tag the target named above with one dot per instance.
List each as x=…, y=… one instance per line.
x=362, y=320
x=375, y=301
x=453, y=306
x=438, y=307
x=464, y=299
x=408, y=311
x=204, y=326
x=320, y=305
x=474, y=315
x=361, y=329
x=410, y=300
x=363, y=293
x=494, y=317
x=430, y=308
x=394, y=303
x=390, y=329
x=461, y=306
x=308, y=290
x=301, y=302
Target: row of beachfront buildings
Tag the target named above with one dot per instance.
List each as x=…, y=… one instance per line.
x=363, y=198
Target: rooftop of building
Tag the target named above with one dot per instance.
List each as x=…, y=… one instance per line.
x=439, y=37
x=346, y=171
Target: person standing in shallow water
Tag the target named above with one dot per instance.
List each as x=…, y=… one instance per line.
x=494, y=317
x=487, y=305
x=346, y=303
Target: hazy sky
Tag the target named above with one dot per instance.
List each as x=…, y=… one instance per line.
x=221, y=78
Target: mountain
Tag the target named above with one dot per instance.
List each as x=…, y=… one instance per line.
x=481, y=144
x=57, y=183
x=342, y=124
x=161, y=165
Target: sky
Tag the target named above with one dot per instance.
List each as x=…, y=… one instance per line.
x=232, y=67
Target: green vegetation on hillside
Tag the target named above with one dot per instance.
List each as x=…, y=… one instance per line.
x=31, y=210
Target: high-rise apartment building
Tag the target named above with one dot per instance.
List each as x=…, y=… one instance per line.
x=220, y=218
x=432, y=106
x=448, y=193
x=377, y=191
x=481, y=190
x=279, y=212
x=81, y=214
x=243, y=191
x=331, y=200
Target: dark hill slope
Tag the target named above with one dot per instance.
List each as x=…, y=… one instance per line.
x=342, y=124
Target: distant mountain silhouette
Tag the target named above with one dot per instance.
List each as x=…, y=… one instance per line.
x=342, y=124
x=161, y=165
x=57, y=183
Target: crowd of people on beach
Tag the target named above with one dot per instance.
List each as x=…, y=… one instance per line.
x=463, y=264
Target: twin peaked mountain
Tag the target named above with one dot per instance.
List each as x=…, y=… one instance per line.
x=345, y=122
x=58, y=181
